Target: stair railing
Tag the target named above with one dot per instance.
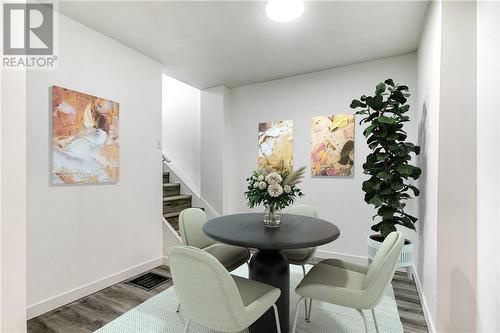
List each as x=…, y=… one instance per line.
x=165, y=159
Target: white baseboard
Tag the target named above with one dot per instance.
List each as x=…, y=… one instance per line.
x=361, y=260
x=427, y=315
x=165, y=261
x=57, y=301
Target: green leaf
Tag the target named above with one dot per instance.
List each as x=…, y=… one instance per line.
x=367, y=186
x=386, y=120
x=405, y=221
x=389, y=82
x=386, y=228
x=397, y=184
x=382, y=156
x=380, y=88
x=416, y=172
x=377, y=102
x=404, y=108
x=386, y=212
x=384, y=175
x=369, y=129
x=376, y=200
x=405, y=169
x=415, y=190
x=356, y=104
x=398, y=97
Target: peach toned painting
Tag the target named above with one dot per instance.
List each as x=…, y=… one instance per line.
x=332, y=149
x=85, y=138
x=276, y=145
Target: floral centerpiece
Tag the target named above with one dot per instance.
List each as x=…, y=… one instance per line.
x=275, y=190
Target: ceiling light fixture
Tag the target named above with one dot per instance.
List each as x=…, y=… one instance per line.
x=284, y=10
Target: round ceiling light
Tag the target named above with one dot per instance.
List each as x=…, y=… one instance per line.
x=284, y=10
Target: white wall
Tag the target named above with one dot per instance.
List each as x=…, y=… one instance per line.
x=213, y=147
x=84, y=238
x=13, y=202
x=336, y=199
x=181, y=134
x=429, y=66
x=456, y=230
x=488, y=166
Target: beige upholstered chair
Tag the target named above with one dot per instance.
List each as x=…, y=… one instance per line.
x=301, y=257
x=355, y=286
x=212, y=297
x=191, y=221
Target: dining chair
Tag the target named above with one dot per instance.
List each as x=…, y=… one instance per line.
x=356, y=286
x=191, y=221
x=301, y=257
x=215, y=299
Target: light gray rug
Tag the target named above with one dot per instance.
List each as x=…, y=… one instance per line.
x=157, y=315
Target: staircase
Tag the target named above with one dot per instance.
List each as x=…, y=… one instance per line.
x=173, y=201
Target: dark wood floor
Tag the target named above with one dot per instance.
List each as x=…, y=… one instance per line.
x=409, y=306
x=94, y=311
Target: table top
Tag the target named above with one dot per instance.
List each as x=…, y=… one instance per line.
x=247, y=230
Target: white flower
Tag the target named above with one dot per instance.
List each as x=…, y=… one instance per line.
x=287, y=189
x=256, y=184
x=275, y=190
x=273, y=178
x=262, y=185
x=260, y=178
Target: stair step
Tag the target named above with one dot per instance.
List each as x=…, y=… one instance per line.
x=176, y=203
x=171, y=215
x=178, y=197
x=173, y=219
x=171, y=189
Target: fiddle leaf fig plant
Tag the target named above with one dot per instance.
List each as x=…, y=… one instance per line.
x=389, y=163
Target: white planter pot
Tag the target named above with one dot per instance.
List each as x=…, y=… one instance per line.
x=405, y=258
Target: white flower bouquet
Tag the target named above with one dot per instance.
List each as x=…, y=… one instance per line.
x=275, y=190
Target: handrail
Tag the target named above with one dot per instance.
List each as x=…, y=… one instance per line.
x=165, y=159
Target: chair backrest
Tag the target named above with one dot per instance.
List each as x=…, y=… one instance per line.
x=205, y=289
x=303, y=210
x=191, y=221
x=383, y=266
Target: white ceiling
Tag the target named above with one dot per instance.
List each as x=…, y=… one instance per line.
x=207, y=43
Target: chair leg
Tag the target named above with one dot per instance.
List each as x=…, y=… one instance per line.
x=375, y=320
x=187, y=326
x=309, y=312
x=277, y=318
x=364, y=319
x=305, y=303
x=296, y=314
x=178, y=307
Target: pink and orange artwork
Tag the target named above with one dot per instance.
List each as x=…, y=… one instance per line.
x=332, y=148
x=85, y=138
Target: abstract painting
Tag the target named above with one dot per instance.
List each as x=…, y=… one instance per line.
x=332, y=149
x=276, y=145
x=85, y=138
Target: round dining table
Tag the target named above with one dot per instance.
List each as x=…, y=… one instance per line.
x=269, y=265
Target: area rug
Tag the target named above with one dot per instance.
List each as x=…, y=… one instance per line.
x=157, y=315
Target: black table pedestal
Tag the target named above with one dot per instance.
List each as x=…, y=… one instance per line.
x=271, y=267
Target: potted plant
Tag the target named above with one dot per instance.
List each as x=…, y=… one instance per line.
x=389, y=163
x=275, y=190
